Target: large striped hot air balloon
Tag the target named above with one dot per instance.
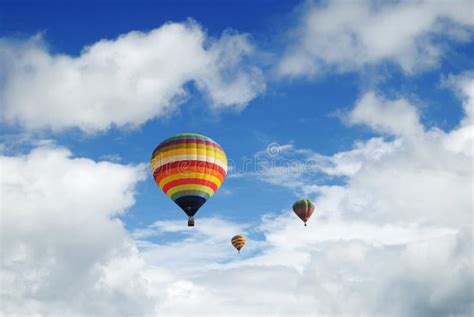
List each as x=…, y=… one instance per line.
x=189, y=168
x=238, y=241
x=304, y=209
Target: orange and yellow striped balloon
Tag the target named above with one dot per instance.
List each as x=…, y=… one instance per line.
x=238, y=241
x=189, y=168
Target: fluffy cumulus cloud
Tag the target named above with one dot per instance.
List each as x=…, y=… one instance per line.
x=65, y=251
x=347, y=36
x=392, y=237
x=392, y=233
x=392, y=117
x=427, y=176
x=124, y=81
x=461, y=139
x=189, y=249
x=375, y=270
x=61, y=249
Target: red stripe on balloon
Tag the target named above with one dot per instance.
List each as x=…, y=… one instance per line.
x=194, y=169
x=304, y=213
x=162, y=145
x=189, y=181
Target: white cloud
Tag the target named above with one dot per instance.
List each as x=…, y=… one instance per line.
x=461, y=139
x=193, y=249
x=126, y=81
x=312, y=269
x=295, y=168
x=429, y=165
x=397, y=117
x=391, y=270
x=394, y=239
x=348, y=36
x=63, y=253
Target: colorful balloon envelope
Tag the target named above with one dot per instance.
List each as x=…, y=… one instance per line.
x=189, y=168
x=304, y=209
x=238, y=241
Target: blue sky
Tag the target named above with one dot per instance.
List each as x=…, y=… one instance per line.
x=378, y=97
x=310, y=123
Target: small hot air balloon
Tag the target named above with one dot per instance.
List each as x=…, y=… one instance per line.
x=238, y=241
x=304, y=209
x=189, y=168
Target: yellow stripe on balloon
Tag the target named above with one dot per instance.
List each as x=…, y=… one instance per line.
x=179, y=188
x=218, y=154
x=174, y=177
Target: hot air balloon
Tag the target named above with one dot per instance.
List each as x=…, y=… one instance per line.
x=189, y=168
x=304, y=209
x=238, y=241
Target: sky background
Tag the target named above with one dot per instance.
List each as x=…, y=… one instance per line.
x=364, y=107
